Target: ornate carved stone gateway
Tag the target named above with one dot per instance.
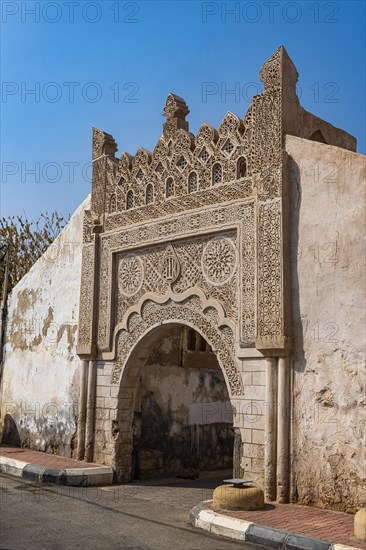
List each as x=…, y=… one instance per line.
x=201, y=215
x=194, y=233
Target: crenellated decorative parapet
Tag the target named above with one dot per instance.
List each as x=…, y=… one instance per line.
x=197, y=169
x=104, y=170
x=102, y=144
x=196, y=166
x=271, y=72
x=175, y=112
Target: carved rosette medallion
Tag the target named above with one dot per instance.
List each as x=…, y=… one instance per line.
x=219, y=260
x=131, y=275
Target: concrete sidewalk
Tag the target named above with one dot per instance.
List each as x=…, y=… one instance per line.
x=283, y=526
x=48, y=468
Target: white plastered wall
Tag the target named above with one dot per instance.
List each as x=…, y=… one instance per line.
x=327, y=254
x=39, y=387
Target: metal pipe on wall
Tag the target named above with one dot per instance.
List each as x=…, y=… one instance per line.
x=270, y=425
x=90, y=411
x=82, y=408
x=283, y=472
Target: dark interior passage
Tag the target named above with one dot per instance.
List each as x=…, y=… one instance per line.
x=183, y=418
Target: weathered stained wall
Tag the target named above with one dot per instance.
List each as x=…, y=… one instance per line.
x=39, y=387
x=183, y=418
x=327, y=253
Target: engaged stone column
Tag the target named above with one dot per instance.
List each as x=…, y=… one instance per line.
x=90, y=411
x=270, y=425
x=283, y=424
x=237, y=454
x=82, y=408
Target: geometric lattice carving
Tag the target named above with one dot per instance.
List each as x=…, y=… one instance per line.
x=248, y=269
x=149, y=194
x=170, y=188
x=192, y=182
x=241, y=168
x=159, y=169
x=216, y=174
x=204, y=155
x=182, y=163
x=269, y=264
x=130, y=201
x=228, y=147
x=85, y=336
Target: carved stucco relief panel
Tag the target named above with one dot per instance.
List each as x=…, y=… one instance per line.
x=270, y=269
x=231, y=285
x=209, y=263
x=86, y=296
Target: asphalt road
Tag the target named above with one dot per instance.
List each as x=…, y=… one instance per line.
x=40, y=517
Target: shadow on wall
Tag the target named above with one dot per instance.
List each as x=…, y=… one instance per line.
x=10, y=432
x=296, y=328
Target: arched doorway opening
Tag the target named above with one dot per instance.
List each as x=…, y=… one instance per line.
x=175, y=408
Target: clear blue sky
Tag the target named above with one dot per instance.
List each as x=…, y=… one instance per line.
x=111, y=64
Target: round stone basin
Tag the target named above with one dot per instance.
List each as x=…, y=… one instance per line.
x=230, y=497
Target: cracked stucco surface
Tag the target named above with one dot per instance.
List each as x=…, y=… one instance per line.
x=40, y=374
x=328, y=448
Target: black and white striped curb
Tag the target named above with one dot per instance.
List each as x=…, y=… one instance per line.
x=98, y=475
x=268, y=537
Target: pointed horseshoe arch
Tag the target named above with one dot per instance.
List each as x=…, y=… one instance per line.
x=133, y=347
x=221, y=338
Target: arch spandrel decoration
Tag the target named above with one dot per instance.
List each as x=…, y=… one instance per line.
x=249, y=209
x=209, y=263
x=239, y=219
